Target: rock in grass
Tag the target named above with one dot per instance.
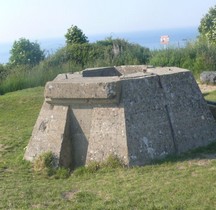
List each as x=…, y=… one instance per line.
x=208, y=77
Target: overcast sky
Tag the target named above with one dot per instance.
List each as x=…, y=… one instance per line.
x=37, y=19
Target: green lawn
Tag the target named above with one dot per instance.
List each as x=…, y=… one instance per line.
x=210, y=96
x=187, y=182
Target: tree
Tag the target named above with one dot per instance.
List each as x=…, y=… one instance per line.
x=24, y=52
x=75, y=35
x=207, y=26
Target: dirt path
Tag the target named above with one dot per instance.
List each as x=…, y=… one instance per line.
x=206, y=88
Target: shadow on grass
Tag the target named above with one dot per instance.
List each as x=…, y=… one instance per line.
x=207, y=152
x=205, y=94
x=200, y=153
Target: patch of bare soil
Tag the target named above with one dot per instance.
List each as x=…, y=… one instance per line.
x=199, y=162
x=2, y=148
x=205, y=159
x=69, y=195
x=206, y=88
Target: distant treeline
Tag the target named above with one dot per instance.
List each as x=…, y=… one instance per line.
x=196, y=56
x=71, y=58
x=29, y=67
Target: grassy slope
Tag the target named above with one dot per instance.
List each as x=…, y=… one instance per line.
x=184, y=183
x=210, y=96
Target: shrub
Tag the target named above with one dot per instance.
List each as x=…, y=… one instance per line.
x=44, y=162
x=45, y=165
x=197, y=56
x=3, y=72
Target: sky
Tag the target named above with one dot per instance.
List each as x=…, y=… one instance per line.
x=40, y=19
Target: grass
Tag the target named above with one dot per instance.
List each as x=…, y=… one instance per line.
x=211, y=96
x=24, y=77
x=186, y=182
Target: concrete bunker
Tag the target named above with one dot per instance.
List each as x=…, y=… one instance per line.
x=134, y=112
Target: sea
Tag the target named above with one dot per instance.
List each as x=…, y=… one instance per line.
x=178, y=37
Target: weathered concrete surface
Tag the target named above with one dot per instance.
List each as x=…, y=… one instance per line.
x=192, y=122
x=50, y=133
x=80, y=90
x=140, y=115
x=147, y=125
x=212, y=107
x=108, y=134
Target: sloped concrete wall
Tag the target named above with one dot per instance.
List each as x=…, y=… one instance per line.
x=51, y=133
x=192, y=122
x=96, y=132
x=165, y=114
x=149, y=135
x=108, y=134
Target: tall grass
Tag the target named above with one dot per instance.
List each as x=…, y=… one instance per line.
x=26, y=77
x=196, y=56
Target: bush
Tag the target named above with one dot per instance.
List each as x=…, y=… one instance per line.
x=44, y=161
x=120, y=52
x=197, y=56
x=45, y=165
x=3, y=72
